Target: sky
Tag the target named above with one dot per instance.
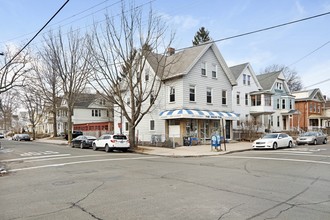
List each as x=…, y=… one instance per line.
x=303, y=46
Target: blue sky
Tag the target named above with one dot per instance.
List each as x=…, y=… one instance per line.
x=21, y=19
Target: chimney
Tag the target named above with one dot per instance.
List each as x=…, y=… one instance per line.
x=170, y=51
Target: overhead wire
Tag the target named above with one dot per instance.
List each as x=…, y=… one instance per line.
x=79, y=13
x=34, y=36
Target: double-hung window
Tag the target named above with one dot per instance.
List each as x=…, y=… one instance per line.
x=244, y=79
x=246, y=99
x=214, y=70
x=224, y=97
x=203, y=68
x=172, y=94
x=146, y=75
x=209, y=95
x=152, y=125
x=238, y=98
x=152, y=98
x=192, y=93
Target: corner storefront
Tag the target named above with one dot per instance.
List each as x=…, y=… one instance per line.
x=197, y=125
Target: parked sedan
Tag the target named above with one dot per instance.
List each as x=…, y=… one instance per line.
x=274, y=141
x=21, y=137
x=312, y=137
x=112, y=142
x=83, y=141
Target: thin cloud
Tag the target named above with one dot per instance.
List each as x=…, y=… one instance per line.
x=299, y=7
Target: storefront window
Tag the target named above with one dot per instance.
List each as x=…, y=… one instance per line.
x=205, y=132
x=192, y=127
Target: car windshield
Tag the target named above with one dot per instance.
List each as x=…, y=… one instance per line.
x=268, y=136
x=309, y=134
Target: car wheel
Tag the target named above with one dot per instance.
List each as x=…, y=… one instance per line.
x=290, y=144
x=107, y=149
x=325, y=141
x=315, y=142
x=94, y=146
x=274, y=146
x=81, y=145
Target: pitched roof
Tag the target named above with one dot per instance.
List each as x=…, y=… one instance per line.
x=309, y=95
x=85, y=99
x=238, y=69
x=181, y=62
x=267, y=80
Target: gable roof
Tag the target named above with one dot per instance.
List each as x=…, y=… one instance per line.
x=311, y=94
x=267, y=80
x=182, y=62
x=85, y=99
x=238, y=69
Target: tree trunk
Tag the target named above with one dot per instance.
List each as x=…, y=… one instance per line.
x=70, y=110
x=33, y=132
x=54, y=119
x=132, y=141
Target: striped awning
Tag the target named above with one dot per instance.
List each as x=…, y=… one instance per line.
x=197, y=114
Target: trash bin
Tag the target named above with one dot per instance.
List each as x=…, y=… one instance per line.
x=186, y=141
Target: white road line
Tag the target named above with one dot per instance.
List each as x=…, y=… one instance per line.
x=293, y=152
x=81, y=162
x=307, y=155
x=279, y=159
x=29, y=158
x=61, y=158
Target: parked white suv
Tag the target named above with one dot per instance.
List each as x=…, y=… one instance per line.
x=111, y=142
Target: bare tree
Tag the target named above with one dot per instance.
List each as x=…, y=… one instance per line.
x=12, y=70
x=70, y=59
x=48, y=82
x=292, y=78
x=120, y=50
x=34, y=104
x=9, y=103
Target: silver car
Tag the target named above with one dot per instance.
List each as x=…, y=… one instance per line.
x=312, y=137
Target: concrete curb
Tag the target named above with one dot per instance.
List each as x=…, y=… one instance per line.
x=187, y=156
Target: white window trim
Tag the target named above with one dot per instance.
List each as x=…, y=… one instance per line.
x=172, y=87
x=152, y=120
x=192, y=86
x=204, y=66
x=215, y=68
x=211, y=90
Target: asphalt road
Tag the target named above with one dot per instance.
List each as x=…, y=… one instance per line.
x=57, y=182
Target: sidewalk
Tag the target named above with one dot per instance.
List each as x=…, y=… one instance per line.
x=184, y=151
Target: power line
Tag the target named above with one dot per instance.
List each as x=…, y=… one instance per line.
x=309, y=53
x=34, y=36
x=263, y=29
x=323, y=81
x=81, y=12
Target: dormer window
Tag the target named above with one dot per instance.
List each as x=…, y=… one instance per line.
x=279, y=85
